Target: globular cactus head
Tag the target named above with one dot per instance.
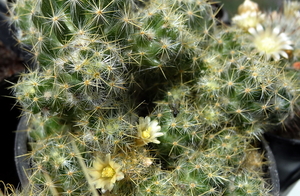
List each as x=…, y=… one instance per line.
x=151, y=97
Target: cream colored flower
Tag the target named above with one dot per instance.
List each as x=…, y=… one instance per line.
x=271, y=42
x=248, y=19
x=105, y=173
x=291, y=8
x=148, y=131
x=248, y=6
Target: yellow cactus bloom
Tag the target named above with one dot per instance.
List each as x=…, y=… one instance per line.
x=148, y=131
x=105, y=173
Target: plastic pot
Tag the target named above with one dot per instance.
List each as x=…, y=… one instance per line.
x=21, y=149
x=271, y=170
x=287, y=156
x=23, y=161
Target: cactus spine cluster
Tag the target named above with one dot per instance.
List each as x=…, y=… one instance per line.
x=149, y=97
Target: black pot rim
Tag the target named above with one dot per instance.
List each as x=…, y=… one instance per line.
x=286, y=154
x=272, y=168
x=284, y=140
x=21, y=156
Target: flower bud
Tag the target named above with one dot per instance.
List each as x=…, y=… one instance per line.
x=248, y=6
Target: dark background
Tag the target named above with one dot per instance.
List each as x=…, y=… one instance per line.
x=8, y=120
x=231, y=5
x=10, y=64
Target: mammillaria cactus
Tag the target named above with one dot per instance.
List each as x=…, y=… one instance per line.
x=152, y=97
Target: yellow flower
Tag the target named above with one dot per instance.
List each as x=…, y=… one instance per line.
x=148, y=131
x=105, y=173
x=271, y=42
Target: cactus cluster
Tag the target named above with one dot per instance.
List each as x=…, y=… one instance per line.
x=154, y=97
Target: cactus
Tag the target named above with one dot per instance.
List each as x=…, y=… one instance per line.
x=152, y=97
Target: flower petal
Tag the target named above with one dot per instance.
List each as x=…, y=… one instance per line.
x=119, y=176
x=276, y=30
x=259, y=28
x=252, y=31
x=284, y=54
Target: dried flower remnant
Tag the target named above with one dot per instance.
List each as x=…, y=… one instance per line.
x=271, y=42
x=296, y=65
x=147, y=162
x=105, y=173
x=148, y=131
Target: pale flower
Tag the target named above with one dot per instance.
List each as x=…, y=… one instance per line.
x=248, y=6
x=105, y=173
x=248, y=19
x=148, y=131
x=291, y=8
x=271, y=42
